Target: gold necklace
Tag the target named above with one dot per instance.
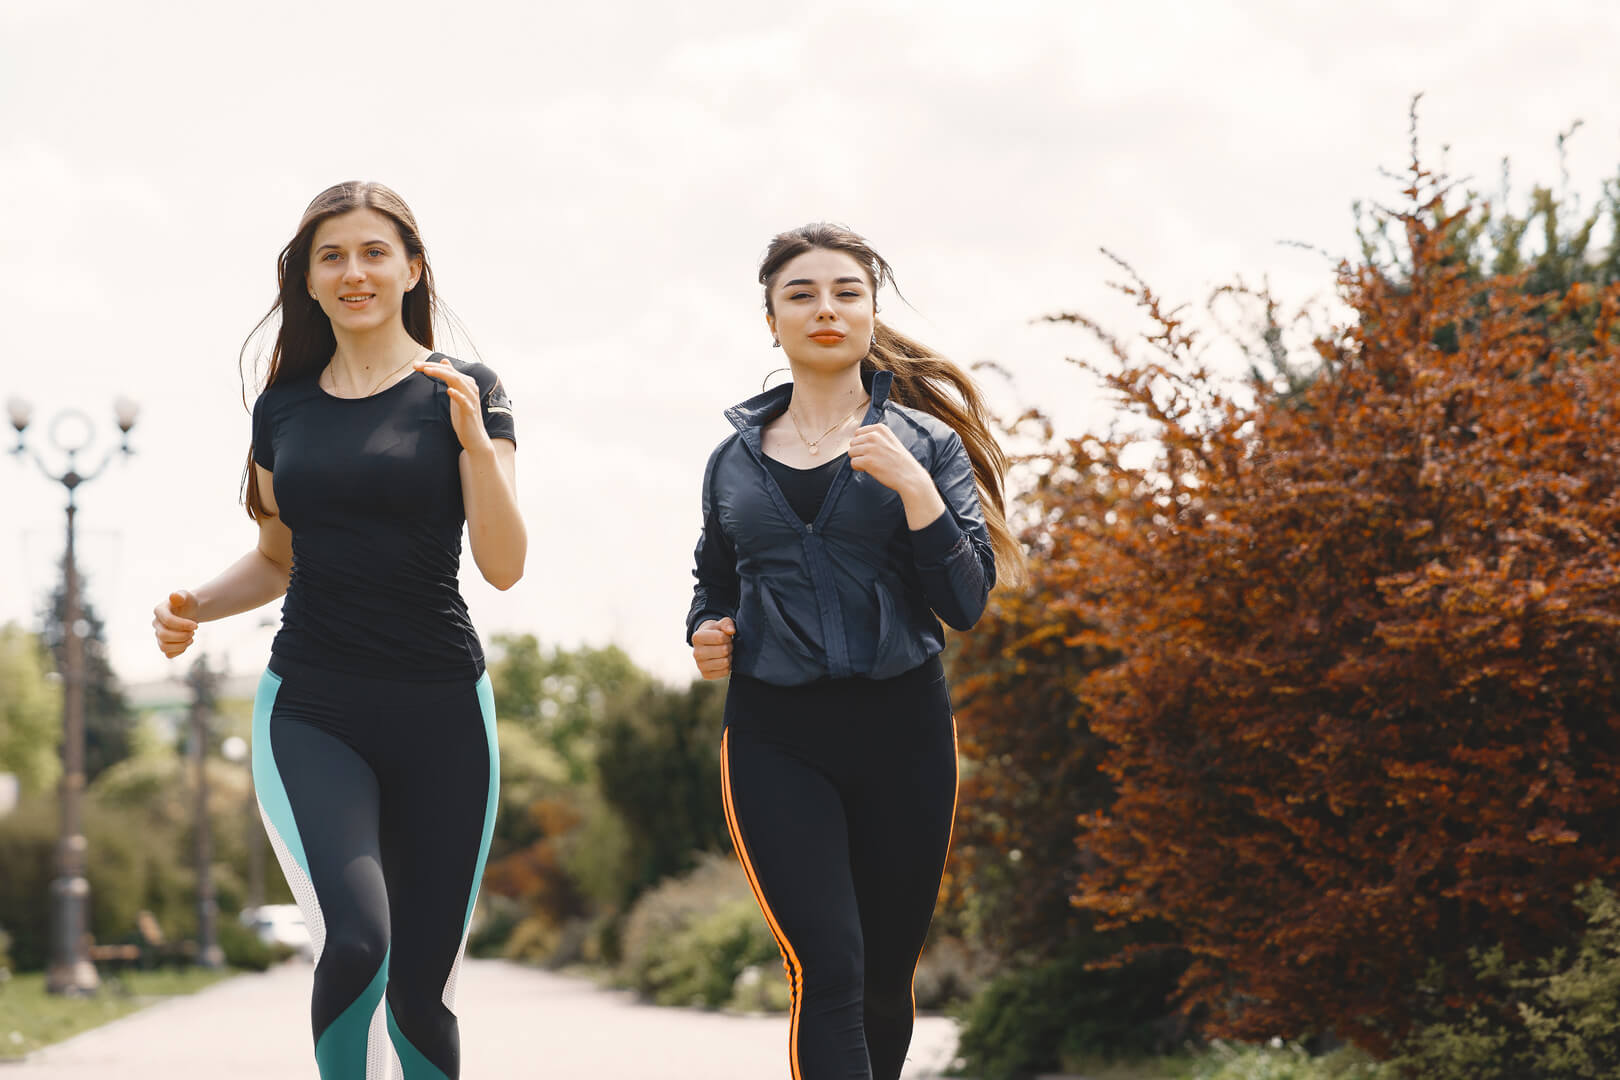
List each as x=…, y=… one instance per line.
x=813, y=445
x=333, y=377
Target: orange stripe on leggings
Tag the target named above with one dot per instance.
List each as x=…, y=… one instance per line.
x=790, y=960
x=950, y=837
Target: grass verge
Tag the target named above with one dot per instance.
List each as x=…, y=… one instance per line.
x=30, y=1018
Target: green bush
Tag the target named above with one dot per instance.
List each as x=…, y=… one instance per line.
x=1036, y=1018
x=946, y=974
x=1555, y=1019
x=5, y=952
x=1291, y=1062
x=497, y=916
x=658, y=767
x=244, y=950
x=701, y=964
x=132, y=867
x=687, y=940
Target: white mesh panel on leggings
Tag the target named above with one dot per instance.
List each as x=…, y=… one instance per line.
x=449, y=996
x=381, y=1061
x=303, y=891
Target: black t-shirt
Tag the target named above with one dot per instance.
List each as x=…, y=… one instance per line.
x=371, y=490
x=805, y=489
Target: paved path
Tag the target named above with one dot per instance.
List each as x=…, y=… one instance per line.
x=515, y=1022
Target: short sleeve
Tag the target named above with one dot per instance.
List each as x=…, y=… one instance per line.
x=264, y=447
x=497, y=404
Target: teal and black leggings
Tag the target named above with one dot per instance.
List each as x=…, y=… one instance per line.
x=379, y=798
x=840, y=796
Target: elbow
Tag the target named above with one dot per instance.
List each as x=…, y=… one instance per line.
x=503, y=577
x=505, y=580
x=966, y=616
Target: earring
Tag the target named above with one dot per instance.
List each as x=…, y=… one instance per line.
x=873, y=345
x=776, y=343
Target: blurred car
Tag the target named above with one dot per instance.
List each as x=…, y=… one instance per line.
x=280, y=923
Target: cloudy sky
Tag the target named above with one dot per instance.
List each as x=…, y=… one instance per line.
x=596, y=183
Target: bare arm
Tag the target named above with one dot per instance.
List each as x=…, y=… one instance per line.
x=494, y=523
x=251, y=581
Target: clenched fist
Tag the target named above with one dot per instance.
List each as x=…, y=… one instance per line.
x=174, y=623
x=711, y=647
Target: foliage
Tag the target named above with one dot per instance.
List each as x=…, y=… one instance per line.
x=658, y=763
x=107, y=716
x=139, y=821
x=1287, y=1062
x=30, y=712
x=129, y=869
x=559, y=697
x=1555, y=1019
x=1364, y=715
x=687, y=940
x=1036, y=1017
x=243, y=949
x=700, y=963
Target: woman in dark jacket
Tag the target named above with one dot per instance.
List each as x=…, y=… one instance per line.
x=847, y=510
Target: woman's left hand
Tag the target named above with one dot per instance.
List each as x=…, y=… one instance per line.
x=877, y=451
x=466, y=412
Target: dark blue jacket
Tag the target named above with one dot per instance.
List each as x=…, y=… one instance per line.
x=855, y=592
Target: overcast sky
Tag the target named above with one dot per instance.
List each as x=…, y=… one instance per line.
x=596, y=183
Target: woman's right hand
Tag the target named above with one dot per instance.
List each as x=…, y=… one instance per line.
x=175, y=623
x=711, y=647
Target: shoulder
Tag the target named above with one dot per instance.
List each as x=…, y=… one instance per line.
x=482, y=373
x=490, y=388
x=921, y=430
x=279, y=394
x=726, y=445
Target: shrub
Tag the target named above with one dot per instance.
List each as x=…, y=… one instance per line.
x=687, y=940
x=658, y=766
x=130, y=869
x=1555, y=1019
x=1287, y=1062
x=245, y=951
x=497, y=917
x=1035, y=1018
x=946, y=974
x=701, y=964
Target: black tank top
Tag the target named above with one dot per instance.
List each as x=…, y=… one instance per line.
x=371, y=490
x=806, y=489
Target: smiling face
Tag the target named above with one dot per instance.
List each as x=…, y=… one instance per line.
x=359, y=270
x=822, y=310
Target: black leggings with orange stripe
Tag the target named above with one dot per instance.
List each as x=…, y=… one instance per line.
x=840, y=796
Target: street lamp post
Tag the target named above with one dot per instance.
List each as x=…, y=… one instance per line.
x=70, y=970
x=204, y=683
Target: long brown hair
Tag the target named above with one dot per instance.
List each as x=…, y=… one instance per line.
x=922, y=379
x=304, y=340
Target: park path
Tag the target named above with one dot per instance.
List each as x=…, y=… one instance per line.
x=516, y=1022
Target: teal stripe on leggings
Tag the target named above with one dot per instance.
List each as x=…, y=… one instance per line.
x=341, y=1049
x=266, y=777
x=486, y=705
x=413, y=1065
x=411, y=1062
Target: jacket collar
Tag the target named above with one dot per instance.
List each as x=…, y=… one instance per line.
x=761, y=409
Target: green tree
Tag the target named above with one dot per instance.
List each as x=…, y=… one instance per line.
x=559, y=697
x=30, y=711
x=658, y=761
x=107, y=715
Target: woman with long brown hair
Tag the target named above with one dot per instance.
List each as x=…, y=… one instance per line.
x=374, y=754
x=849, y=509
